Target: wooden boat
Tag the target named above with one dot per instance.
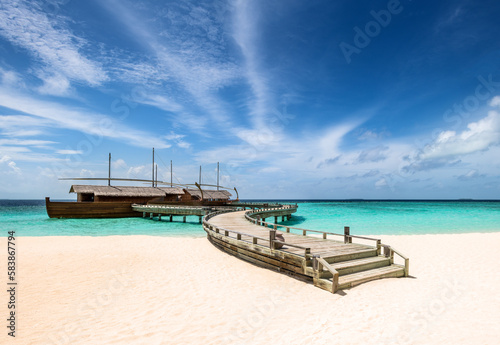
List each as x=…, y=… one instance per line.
x=84, y=209
x=116, y=201
x=97, y=201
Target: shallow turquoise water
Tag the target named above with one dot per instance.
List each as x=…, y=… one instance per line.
x=28, y=218
x=399, y=218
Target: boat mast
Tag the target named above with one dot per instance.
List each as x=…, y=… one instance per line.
x=217, y=175
x=153, y=167
x=156, y=178
x=109, y=170
x=171, y=175
x=200, y=176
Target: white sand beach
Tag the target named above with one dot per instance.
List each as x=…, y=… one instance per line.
x=158, y=290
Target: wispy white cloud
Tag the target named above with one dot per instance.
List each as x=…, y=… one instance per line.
x=450, y=147
x=245, y=34
x=24, y=142
x=471, y=175
x=375, y=154
x=161, y=102
x=178, y=139
x=51, y=42
x=9, y=164
x=78, y=119
x=69, y=152
x=188, y=52
x=22, y=126
x=86, y=173
x=55, y=84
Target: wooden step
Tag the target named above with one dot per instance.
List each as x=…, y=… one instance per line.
x=359, y=265
x=353, y=266
x=358, y=254
x=350, y=280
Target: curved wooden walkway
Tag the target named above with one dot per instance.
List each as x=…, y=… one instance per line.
x=331, y=264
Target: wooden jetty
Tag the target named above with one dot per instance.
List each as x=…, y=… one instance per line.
x=331, y=261
x=168, y=210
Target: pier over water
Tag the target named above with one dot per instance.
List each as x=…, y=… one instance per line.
x=332, y=261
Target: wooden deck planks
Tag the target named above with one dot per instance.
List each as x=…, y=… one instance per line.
x=236, y=221
x=346, y=264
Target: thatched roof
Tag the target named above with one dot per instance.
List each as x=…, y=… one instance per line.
x=125, y=191
x=210, y=194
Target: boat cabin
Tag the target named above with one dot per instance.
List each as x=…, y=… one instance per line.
x=208, y=195
x=89, y=193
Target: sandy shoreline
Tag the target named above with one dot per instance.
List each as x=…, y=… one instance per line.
x=160, y=290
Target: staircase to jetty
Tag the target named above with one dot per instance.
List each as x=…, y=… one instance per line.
x=331, y=264
x=355, y=269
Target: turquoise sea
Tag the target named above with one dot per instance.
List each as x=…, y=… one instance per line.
x=28, y=218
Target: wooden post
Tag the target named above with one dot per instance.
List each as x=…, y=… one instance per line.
x=159, y=216
x=287, y=229
x=275, y=219
x=238, y=236
x=150, y=216
x=379, y=247
x=324, y=235
x=199, y=219
x=272, y=237
x=171, y=217
x=254, y=240
x=143, y=214
x=282, y=218
x=304, y=232
x=184, y=219
x=347, y=238
x=387, y=251
x=335, y=283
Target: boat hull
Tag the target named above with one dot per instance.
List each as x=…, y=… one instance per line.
x=90, y=209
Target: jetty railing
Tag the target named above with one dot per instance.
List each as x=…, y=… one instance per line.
x=321, y=264
x=348, y=238
x=389, y=253
x=346, y=235
x=273, y=242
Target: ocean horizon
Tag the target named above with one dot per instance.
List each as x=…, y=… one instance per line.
x=363, y=216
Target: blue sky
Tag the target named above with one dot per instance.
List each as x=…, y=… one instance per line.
x=317, y=99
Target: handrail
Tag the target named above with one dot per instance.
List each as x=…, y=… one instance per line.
x=272, y=242
x=304, y=231
x=319, y=263
x=389, y=253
